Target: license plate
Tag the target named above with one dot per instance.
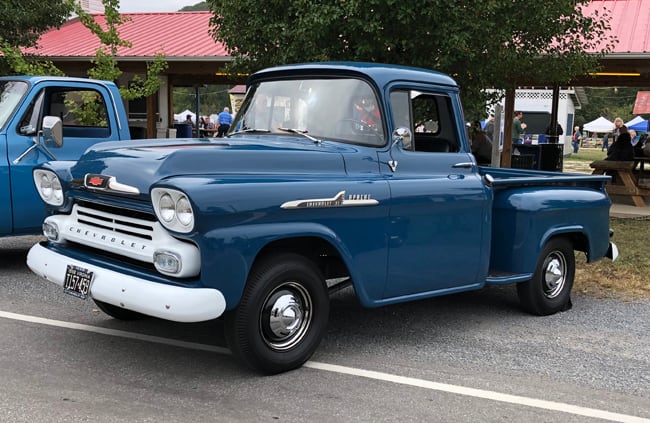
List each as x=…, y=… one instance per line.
x=77, y=281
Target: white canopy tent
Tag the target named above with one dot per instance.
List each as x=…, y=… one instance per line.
x=599, y=125
x=180, y=117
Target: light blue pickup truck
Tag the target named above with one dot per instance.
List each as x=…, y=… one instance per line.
x=90, y=111
x=332, y=175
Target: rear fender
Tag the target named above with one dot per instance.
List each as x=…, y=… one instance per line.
x=525, y=218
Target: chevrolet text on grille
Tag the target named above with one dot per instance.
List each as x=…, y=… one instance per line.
x=103, y=237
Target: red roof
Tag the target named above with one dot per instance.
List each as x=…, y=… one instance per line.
x=174, y=34
x=186, y=34
x=630, y=22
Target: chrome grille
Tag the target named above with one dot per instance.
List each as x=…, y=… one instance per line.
x=122, y=221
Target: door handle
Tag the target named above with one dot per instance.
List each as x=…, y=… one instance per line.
x=464, y=165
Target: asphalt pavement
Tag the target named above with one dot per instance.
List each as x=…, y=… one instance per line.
x=469, y=357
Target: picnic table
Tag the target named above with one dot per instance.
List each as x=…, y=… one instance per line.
x=640, y=161
x=624, y=181
x=208, y=132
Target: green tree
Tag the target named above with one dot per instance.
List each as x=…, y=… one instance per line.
x=213, y=98
x=201, y=6
x=105, y=64
x=15, y=62
x=493, y=44
x=23, y=21
x=609, y=102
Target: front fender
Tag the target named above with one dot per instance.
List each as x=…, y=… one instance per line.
x=227, y=254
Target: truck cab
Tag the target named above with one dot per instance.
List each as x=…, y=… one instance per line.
x=90, y=112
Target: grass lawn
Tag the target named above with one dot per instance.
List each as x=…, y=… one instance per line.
x=628, y=276
x=587, y=155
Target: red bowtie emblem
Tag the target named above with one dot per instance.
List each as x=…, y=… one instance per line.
x=95, y=181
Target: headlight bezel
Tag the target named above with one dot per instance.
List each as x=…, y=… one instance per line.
x=168, y=212
x=49, y=187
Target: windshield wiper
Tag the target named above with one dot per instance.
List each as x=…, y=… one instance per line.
x=248, y=130
x=301, y=132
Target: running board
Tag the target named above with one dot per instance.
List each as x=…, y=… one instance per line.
x=338, y=284
x=503, y=278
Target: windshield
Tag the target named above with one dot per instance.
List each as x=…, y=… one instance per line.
x=341, y=109
x=11, y=92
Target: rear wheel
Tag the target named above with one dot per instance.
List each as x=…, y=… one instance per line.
x=282, y=315
x=119, y=312
x=549, y=291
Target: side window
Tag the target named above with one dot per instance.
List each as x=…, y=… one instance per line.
x=429, y=118
x=400, y=109
x=30, y=124
x=82, y=111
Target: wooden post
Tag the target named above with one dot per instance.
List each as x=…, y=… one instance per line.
x=553, y=136
x=506, y=155
x=496, y=136
x=170, y=107
x=152, y=106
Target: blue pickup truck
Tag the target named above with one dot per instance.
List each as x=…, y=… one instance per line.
x=332, y=175
x=90, y=112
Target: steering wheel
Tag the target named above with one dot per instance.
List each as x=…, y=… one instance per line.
x=357, y=125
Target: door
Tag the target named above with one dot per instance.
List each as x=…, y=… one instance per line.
x=86, y=121
x=440, y=212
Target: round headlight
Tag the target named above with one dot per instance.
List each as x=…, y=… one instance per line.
x=57, y=191
x=173, y=209
x=46, y=186
x=166, y=207
x=184, y=211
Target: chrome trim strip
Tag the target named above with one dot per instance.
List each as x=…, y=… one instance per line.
x=339, y=200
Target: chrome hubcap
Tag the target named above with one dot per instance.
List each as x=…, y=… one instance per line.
x=554, y=274
x=286, y=316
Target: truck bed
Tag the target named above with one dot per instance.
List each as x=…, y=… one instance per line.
x=508, y=178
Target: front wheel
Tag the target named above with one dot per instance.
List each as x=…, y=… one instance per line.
x=549, y=291
x=282, y=315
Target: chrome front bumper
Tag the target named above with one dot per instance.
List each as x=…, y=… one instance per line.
x=168, y=302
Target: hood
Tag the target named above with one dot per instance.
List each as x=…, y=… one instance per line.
x=144, y=162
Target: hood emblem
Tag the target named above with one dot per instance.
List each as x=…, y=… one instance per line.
x=108, y=183
x=339, y=200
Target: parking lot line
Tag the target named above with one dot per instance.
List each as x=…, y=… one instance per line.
x=387, y=377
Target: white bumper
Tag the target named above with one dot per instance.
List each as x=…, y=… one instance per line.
x=151, y=298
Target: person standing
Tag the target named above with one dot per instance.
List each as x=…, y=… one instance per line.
x=224, y=119
x=618, y=127
x=605, y=145
x=518, y=128
x=489, y=127
x=558, y=129
x=621, y=149
x=640, y=144
x=481, y=145
x=576, y=139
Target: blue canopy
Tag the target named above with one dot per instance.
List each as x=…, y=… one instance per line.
x=641, y=126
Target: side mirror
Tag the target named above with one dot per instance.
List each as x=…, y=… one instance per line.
x=404, y=136
x=52, y=131
x=52, y=134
